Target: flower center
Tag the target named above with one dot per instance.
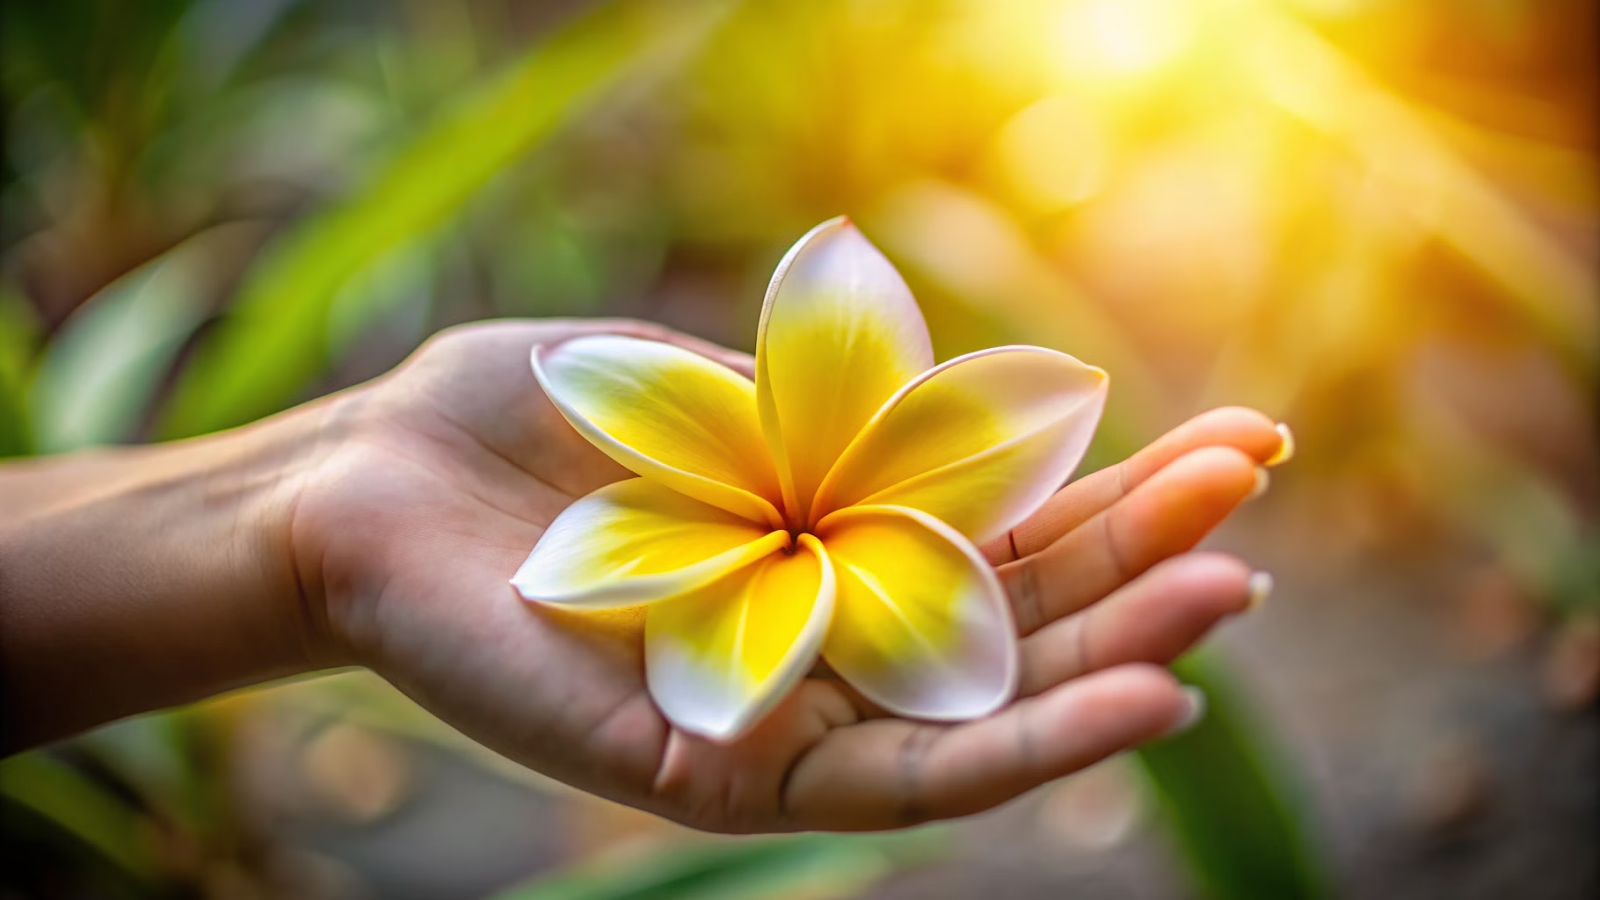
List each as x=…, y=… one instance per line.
x=794, y=541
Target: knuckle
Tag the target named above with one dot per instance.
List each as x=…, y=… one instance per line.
x=911, y=760
x=1022, y=584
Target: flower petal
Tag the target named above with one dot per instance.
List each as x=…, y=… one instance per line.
x=719, y=658
x=634, y=541
x=667, y=414
x=979, y=442
x=839, y=334
x=921, y=625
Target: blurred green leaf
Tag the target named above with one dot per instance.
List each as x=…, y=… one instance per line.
x=154, y=756
x=18, y=334
x=397, y=290
x=1575, y=576
x=557, y=271
x=91, y=814
x=275, y=341
x=98, y=375
x=47, y=42
x=361, y=698
x=810, y=865
x=1228, y=801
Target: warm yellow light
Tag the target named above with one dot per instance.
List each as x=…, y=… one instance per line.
x=1051, y=155
x=1122, y=37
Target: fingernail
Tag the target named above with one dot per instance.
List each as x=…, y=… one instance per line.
x=1285, y=448
x=1259, y=587
x=1194, y=710
x=1263, y=481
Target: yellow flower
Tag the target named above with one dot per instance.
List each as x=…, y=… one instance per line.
x=833, y=506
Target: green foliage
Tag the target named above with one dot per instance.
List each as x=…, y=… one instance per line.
x=102, y=369
x=134, y=807
x=1228, y=802
x=46, y=43
x=810, y=865
x=18, y=333
x=1575, y=577
x=84, y=811
x=274, y=340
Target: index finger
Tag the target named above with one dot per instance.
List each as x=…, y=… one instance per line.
x=1246, y=430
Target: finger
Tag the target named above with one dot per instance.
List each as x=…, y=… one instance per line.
x=1165, y=515
x=1154, y=619
x=1245, y=430
x=891, y=773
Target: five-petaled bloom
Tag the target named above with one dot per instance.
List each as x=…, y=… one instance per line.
x=834, y=505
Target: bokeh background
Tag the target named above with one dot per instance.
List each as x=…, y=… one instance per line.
x=1373, y=219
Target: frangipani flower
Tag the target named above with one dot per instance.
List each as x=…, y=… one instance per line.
x=832, y=507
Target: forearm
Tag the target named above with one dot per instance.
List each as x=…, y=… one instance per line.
x=133, y=579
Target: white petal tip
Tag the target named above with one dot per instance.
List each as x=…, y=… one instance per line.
x=531, y=594
x=722, y=722
x=839, y=231
x=950, y=709
x=717, y=732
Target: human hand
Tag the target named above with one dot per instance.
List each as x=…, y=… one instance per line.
x=448, y=469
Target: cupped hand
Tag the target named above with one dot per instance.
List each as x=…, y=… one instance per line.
x=446, y=471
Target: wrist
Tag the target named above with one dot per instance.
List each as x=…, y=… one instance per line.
x=261, y=474
x=137, y=578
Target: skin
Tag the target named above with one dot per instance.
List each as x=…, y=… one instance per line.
x=378, y=527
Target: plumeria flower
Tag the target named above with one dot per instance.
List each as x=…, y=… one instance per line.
x=832, y=507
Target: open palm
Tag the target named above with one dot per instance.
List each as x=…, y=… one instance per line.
x=447, y=470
